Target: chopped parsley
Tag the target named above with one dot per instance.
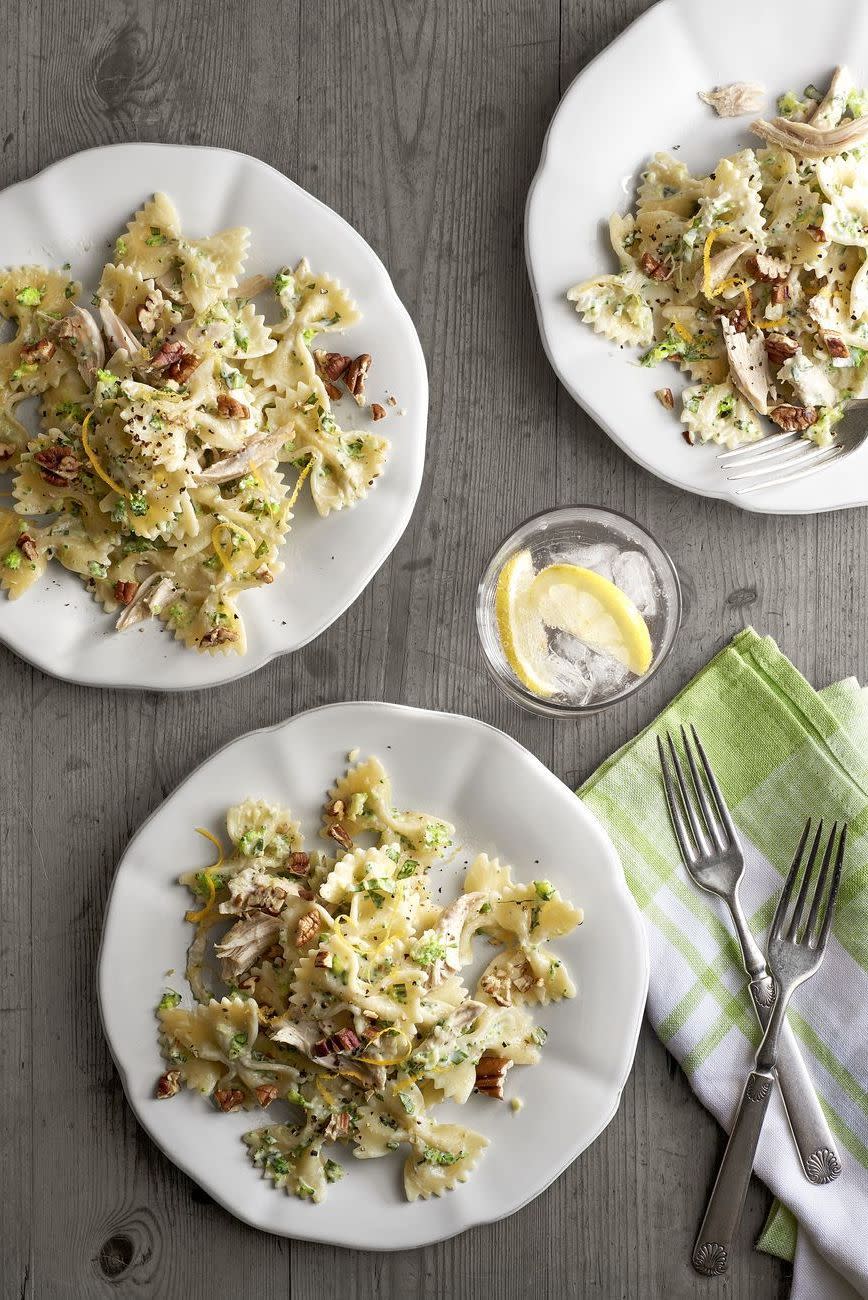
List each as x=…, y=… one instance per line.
x=236, y=1045
x=156, y=238
x=97, y=570
x=408, y=868
x=433, y=1156
x=120, y=247
x=283, y=280
x=427, y=951
x=242, y=338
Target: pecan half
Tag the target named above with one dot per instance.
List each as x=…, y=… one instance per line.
x=335, y=809
x=231, y=409
x=168, y=1084
x=171, y=351
x=307, y=929
x=780, y=347
x=7, y=451
x=793, y=418
x=229, y=1099
x=217, y=636
x=665, y=398
x=125, y=591
x=266, y=1093
x=356, y=374
x=780, y=292
x=345, y=1040
x=299, y=864
x=27, y=547
x=57, y=466
x=331, y=365
x=688, y=437
x=334, y=393
x=834, y=345
x=655, y=269
x=765, y=267
x=339, y=834
x=182, y=369
x=42, y=350
x=264, y=574
x=490, y=1074
x=323, y=959
x=337, y=1127
x=378, y=411
x=498, y=987
x=818, y=234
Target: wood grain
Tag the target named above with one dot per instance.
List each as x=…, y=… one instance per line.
x=421, y=122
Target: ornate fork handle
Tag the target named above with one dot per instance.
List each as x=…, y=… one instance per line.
x=714, y=1242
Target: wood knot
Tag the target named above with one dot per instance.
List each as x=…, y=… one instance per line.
x=741, y=596
x=116, y=1255
x=118, y=70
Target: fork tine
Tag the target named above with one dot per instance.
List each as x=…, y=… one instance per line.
x=712, y=822
x=679, y=825
x=698, y=834
x=787, y=891
x=776, y=461
x=820, y=888
x=761, y=448
x=792, y=930
x=723, y=810
x=833, y=894
x=835, y=453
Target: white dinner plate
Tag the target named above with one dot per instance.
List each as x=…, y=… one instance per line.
x=637, y=98
x=501, y=799
x=73, y=212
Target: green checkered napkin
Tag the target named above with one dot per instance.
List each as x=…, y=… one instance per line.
x=782, y=751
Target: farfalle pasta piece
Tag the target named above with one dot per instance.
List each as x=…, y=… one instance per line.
x=616, y=307
x=718, y=413
x=443, y=1156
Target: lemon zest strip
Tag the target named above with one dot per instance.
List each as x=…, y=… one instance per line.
x=299, y=483
x=196, y=917
x=682, y=332
x=94, y=460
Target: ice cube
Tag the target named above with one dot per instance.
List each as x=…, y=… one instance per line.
x=632, y=572
x=582, y=673
x=599, y=556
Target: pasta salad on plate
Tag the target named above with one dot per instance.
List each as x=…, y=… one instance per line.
x=752, y=278
x=343, y=1003
x=178, y=424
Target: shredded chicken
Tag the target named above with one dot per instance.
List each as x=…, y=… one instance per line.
x=247, y=940
x=748, y=365
x=735, y=99
x=808, y=141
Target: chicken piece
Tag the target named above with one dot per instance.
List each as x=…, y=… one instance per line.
x=808, y=141
x=247, y=940
x=735, y=99
x=748, y=364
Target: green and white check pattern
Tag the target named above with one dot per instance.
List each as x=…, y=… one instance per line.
x=781, y=751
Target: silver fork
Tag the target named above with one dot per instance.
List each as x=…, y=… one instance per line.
x=785, y=457
x=712, y=854
x=796, y=947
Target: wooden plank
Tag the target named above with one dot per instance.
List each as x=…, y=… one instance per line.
x=422, y=124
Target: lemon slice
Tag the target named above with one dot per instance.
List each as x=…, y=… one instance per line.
x=522, y=631
x=590, y=607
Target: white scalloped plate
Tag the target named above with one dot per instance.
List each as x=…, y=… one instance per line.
x=501, y=799
x=640, y=96
x=73, y=211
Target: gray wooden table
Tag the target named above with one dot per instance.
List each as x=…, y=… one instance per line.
x=421, y=122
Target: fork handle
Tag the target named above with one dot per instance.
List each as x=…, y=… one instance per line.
x=813, y=1137
x=713, y=1248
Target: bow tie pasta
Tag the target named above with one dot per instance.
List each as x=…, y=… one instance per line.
x=177, y=427
x=343, y=1000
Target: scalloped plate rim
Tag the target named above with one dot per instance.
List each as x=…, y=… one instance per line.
x=249, y=662
x=628, y=913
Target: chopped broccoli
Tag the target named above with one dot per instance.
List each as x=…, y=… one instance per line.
x=169, y=999
x=433, y=1156
x=138, y=503
x=30, y=296
x=13, y=559
x=544, y=889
